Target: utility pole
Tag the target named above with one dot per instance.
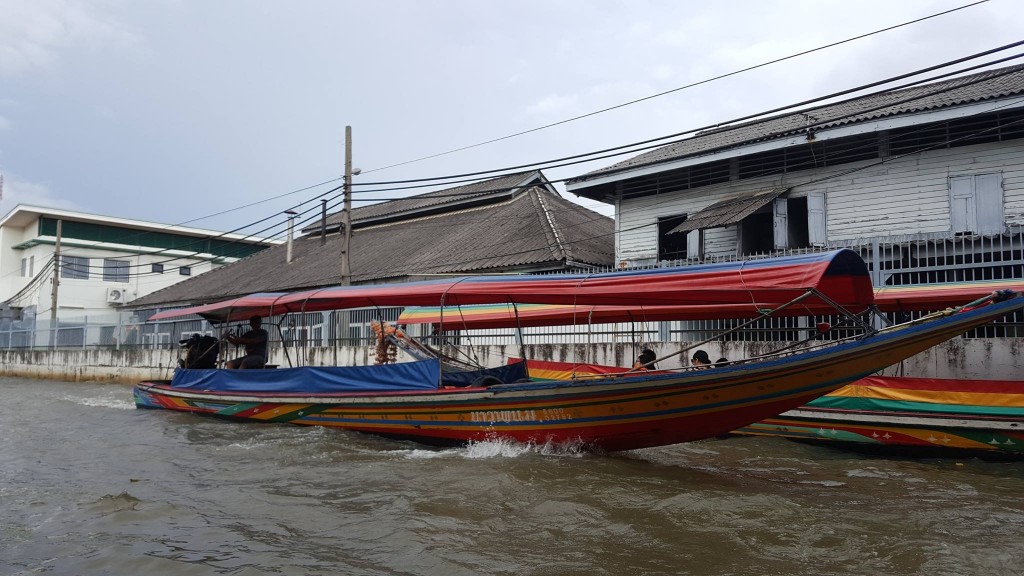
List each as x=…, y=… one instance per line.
x=346, y=216
x=291, y=234
x=56, y=284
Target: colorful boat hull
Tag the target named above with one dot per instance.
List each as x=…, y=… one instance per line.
x=620, y=413
x=910, y=414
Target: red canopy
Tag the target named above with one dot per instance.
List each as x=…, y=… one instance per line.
x=916, y=297
x=737, y=286
x=242, y=307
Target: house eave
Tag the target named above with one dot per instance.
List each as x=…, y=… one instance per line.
x=581, y=185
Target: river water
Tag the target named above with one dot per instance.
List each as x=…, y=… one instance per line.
x=90, y=485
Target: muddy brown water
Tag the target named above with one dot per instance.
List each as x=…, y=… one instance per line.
x=90, y=485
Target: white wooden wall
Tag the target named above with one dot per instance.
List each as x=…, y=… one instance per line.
x=901, y=197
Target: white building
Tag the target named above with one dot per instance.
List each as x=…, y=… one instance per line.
x=922, y=168
x=105, y=262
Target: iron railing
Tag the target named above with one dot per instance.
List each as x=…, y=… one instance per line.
x=908, y=260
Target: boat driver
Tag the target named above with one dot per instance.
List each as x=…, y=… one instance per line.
x=255, y=342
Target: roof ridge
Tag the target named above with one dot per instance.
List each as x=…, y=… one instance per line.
x=999, y=83
x=558, y=248
x=882, y=93
x=451, y=195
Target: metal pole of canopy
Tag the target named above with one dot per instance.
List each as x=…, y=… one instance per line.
x=284, y=343
x=632, y=334
x=440, y=341
x=867, y=327
x=519, y=332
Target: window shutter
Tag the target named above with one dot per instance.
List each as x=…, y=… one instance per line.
x=961, y=204
x=693, y=247
x=780, y=223
x=816, y=218
x=988, y=202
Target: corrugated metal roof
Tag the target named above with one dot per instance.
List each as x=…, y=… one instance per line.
x=507, y=235
x=728, y=211
x=988, y=85
x=502, y=185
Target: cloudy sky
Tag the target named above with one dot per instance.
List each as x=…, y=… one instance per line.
x=174, y=110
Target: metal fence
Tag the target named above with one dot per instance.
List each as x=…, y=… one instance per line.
x=918, y=260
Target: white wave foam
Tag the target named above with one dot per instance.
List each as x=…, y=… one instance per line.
x=872, y=472
x=425, y=454
x=496, y=448
x=117, y=402
x=826, y=483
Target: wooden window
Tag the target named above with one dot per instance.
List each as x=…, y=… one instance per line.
x=671, y=246
x=816, y=219
x=976, y=204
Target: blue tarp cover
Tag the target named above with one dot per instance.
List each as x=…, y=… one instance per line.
x=420, y=375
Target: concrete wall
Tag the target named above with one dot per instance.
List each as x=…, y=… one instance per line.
x=960, y=358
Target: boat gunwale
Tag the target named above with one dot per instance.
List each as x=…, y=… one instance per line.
x=865, y=418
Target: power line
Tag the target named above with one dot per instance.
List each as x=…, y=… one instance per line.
x=826, y=121
x=645, y=98
x=209, y=259
x=858, y=112
x=590, y=114
x=803, y=127
x=658, y=142
x=830, y=120
x=825, y=178
x=207, y=238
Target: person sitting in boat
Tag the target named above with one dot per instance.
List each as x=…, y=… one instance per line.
x=721, y=362
x=255, y=342
x=701, y=360
x=645, y=361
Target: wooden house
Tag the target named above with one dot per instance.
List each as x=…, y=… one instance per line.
x=917, y=170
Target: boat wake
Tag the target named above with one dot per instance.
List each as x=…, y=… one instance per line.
x=500, y=448
x=115, y=400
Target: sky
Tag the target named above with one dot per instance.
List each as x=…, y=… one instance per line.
x=185, y=111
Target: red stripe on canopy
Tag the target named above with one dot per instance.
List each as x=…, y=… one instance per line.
x=919, y=297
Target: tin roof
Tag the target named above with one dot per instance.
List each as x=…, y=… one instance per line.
x=535, y=229
x=728, y=211
x=988, y=85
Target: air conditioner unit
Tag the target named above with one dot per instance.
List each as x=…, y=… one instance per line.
x=117, y=296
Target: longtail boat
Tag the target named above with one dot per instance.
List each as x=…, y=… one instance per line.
x=424, y=401
x=916, y=416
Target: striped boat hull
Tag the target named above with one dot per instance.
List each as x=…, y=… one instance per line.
x=915, y=414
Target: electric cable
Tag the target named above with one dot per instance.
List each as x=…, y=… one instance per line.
x=658, y=142
x=777, y=60
x=768, y=136
x=832, y=176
